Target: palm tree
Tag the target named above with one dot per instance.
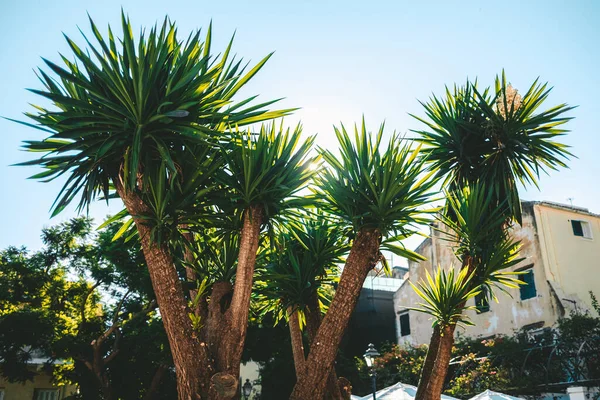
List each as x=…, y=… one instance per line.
x=262, y=174
x=297, y=281
x=486, y=252
x=495, y=139
x=379, y=195
x=142, y=121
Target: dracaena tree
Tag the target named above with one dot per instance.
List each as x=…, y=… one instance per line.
x=486, y=253
x=379, y=192
x=492, y=140
x=296, y=281
x=142, y=120
x=262, y=174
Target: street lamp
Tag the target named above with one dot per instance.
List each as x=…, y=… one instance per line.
x=247, y=389
x=369, y=357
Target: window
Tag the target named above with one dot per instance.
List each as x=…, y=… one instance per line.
x=527, y=290
x=581, y=228
x=45, y=394
x=482, y=304
x=404, y=324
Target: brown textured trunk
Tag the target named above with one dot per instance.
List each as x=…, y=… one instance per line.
x=230, y=326
x=442, y=362
x=101, y=374
x=364, y=255
x=435, y=369
x=296, y=339
x=427, y=369
x=192, y=363
x=313, y=322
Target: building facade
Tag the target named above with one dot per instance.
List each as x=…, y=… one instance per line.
x=41, y=387
x=560, y=247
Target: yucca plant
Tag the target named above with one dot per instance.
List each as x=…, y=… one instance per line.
x=495, y=136
x=445, y=296
x=484, y=144
x=483, y=246
x=143, y=120
x=263, y=172
x=380, y=194
x=296, y=281
x=481, y=238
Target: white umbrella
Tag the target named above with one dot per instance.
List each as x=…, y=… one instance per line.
x=399, y=391
x=491, y=395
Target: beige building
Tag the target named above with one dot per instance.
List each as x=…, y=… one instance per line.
x=561, y=251
x=40, y=388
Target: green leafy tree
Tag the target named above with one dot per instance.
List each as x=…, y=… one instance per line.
x=52, y=308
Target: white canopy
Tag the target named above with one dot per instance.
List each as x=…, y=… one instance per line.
x=399, y=391
x=491, y=395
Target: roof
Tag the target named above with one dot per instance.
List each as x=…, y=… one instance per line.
x=399, y=391
x=491, y=395
x=560, y=206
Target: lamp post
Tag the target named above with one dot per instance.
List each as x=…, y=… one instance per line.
x=247, y=389
x=369, y=357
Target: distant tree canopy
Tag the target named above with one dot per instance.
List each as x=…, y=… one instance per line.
x=84, y=305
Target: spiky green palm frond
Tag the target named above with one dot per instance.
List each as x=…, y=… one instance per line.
x=126, y=108
x=303, y=262
x=215, y=256
x=369, y=187
x=445, y=296
x=495, y=136
x=266, y=169
x=480, y=232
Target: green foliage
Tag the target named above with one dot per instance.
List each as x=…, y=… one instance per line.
x=134, y=108
x=265, y=169
x=445, y=296
x=302, y=262
x=396, y=364
x=495, y=136
x=215, y=256
x=376, y=189
x=38, y=303
x=520, y=364
x=480, y=375
x=49, y=309
x=480, y=232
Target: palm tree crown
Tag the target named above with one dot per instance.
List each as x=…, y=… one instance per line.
x=129, y=110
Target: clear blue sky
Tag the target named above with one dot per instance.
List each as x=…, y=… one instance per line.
x=336, y=60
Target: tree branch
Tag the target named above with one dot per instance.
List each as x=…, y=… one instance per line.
x=85, y=299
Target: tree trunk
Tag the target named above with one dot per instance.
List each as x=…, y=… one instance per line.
x=427, y=369
x=363, y=257
x=152, y=392
x=229, y=334
x=442, y=362
x=99, y=370
x=313, y=322
x=296, y=339
x=192, y=363
x=435, y=369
